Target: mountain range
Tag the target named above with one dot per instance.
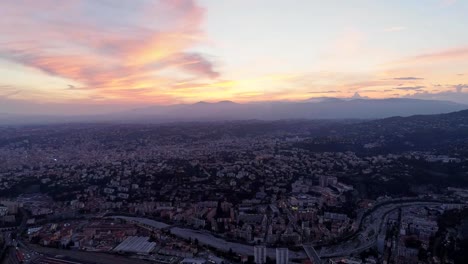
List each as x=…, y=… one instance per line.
x=322, y=108
x=315, y=108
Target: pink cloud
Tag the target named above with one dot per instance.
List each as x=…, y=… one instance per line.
x=195, y=63
x=123, y=46
x=449, y=54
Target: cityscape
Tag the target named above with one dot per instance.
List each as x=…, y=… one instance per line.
x=237, y=191
x=233, y=132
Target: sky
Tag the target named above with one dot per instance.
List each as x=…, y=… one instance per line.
x=100, y=56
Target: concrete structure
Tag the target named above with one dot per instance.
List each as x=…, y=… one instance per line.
x=134, y=244
x=193, y=261
x=12, y=206
x=312, y=254
x=381, y=243
x=260, y=254
x=282, y=256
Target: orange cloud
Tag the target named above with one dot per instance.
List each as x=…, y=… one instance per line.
x=106, y=56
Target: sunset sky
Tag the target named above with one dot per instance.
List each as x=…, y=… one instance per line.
x=98, y=56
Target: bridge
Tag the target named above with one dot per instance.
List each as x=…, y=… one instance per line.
x=312, y=254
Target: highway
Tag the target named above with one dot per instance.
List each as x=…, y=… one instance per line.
x=311, y=253
x=15, y=247
x=206, y=238
x=370, y=223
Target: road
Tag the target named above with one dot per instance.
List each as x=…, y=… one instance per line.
x=204, y=237
x=371, y=222
x=311, y=253
x=90, y=257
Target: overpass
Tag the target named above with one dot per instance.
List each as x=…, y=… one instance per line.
x=312, y=254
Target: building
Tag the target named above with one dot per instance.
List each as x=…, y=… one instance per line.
x=12, y=206
x=282, y=256
x=381, y=243
x=193, y=261
x=134, y=244
x=325, y=181
x=260, y=254
x=304, y=200
x=3, y=210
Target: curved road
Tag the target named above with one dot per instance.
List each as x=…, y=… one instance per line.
x=356, y=243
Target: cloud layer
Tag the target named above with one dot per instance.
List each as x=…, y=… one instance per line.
x=125, y=46
x=142, y=52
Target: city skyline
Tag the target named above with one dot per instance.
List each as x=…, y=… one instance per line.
x=107, y=56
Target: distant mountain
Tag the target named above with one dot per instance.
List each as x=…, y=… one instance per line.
x=447, y=132
x=322, y=108
x=322, y=99
x=440, y=122
x=315, y=108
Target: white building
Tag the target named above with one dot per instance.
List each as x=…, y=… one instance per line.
x=381, y=243
x=282, y=256
x=260, y=254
